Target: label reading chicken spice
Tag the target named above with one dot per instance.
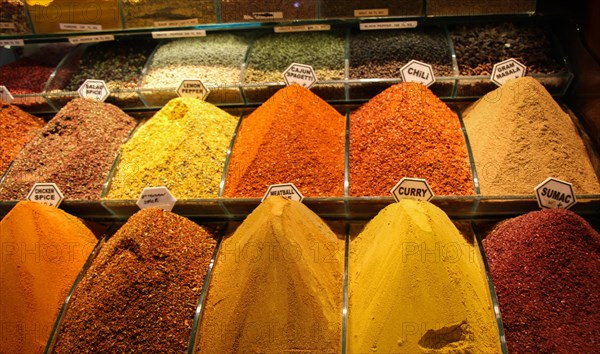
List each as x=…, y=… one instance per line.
x=5, y=95
x=554, y=193
x=413, y=188
x=46, y=193
x=506, y=70
x=286, y=190
x=156, y=197
x=94, y=90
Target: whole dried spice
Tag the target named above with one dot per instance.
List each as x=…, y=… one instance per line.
x=16, y=129
x=294, y=137
x=141, y=292
x=545, y=266
x=43, y=250
x=14, y=17
x=277, y=285
x=145, y=13
x=183, y=147
x=48, y=15
x=75, y=150
x=406, y=131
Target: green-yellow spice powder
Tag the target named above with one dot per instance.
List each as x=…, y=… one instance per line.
x=417, y=285
x=183, y=147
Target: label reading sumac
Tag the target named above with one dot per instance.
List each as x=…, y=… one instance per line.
x=554, y=193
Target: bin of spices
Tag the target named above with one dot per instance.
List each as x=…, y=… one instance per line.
x=476, y=7
x=168, y=13
x=373, y=8
x=267, y=10
x=13, y=18
x=51, y=16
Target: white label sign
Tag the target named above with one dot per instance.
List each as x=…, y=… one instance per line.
x=7, y=25
x=286, y=190
x=5, y=95
x=46, y=193
x=12, y=42
x=91, y=39
x=79, y=27
x=301, y=74
x=387, y=25
x=277, y=15
x=156, y=197
x=416, y=71
x=413, y=188
x=307, y=28
x=192, y=88
x=371, y=12
x=178, y=23
x=554, y=193
x=94, y=89
x=506, y=70
x=179, y=34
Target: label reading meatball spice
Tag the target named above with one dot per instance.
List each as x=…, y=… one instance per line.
x=554, y=193
x=156, y=197
x=371, y=12
x=286, y=190
x=46, y=193
x=300, y=74
x=94, y=90
x=506, y=70
x=5, y=95
x=413, y=188
x=416, y=71
x=193, y=88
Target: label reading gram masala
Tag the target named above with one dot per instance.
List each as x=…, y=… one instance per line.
x=506, y=70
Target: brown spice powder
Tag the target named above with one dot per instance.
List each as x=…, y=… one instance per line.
x=16, y=128
x=406, y=131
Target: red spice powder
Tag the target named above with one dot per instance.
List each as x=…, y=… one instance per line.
x=16, y=129
x=294, y=137
x=546, y=269
x=407, y=131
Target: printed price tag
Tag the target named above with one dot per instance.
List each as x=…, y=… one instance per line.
x=156, y=197
x=371, y=12
x=7, y=25
x=179, y=34
x=46, y=193
x=5, y=95
x=554, y=193
x=12, y=43
x=506, y=70
x=286, y=190
x=277, y=15
x=301, y=74
x=79, y=27
x=413, y=188
x=387, y=25
x=91, y=39
x=192, y=88
x=178, y=23
x=94, y=89
x=307, y=28
x=416, y=71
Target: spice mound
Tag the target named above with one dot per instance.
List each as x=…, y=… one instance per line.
x=75, y=150
x=276, y=286
x=183, y=147
x=545, y=266
x=43, y=250
x=16, y=128
x=406, y=131
x=417, y=285
x=141, y=292
x=294, y=137
x=520, y=136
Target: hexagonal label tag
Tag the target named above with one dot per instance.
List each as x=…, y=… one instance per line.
x=46, y=193
x=156, y=197
x=286, y=190
x=5, y=95
x=413, y=188
x=193, y=88
x=416, y=71
x=506, y=70
x=300, y=74
x=94, y=89
x=554, y=193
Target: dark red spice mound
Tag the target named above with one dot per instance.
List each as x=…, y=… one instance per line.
x=546, y=269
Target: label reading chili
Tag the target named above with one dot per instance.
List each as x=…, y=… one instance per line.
x=413, y=188
x=554, y=193
x=286, y=190
x=416, y=71
x=46, y=193
x=156, y=197
x=5, y=95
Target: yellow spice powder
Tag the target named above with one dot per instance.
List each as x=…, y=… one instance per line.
x=418, y=286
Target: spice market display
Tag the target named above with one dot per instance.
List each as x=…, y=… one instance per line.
x=16, y=129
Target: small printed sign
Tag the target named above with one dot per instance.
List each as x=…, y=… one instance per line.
x=177, y=23
x=7, y=25
x=12, y=43
x=79, y=27
x=91, y=39
x=413, y=188
x=387, y=25
x=193, y=88
x=5, y=95
x=178, y=34
x=46, y=193
x=301, y=74
x=371, y=12
x=416, y=71
x=277, y=15
x=156, y=197
x=306, y=28
x=94, y=90
x=554, y=193
x=506, y=70
x=286, y=190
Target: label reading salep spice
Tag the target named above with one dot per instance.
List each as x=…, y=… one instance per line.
x=178, y=23
x=416, y=71
x=286, y=190
x=156, y=197
x=413, y=188
x=193, y=88
x=91, y=39
x=506, y=70
x=554, y=193
x=300, y=74
x=5, y=95
x=12, y=42
x=94, y=89
x=46, y=193
x=79, y=27
x=387, y=25
x=371, y=12
x=179, y=34
x=306, y=28
x=7, y=25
